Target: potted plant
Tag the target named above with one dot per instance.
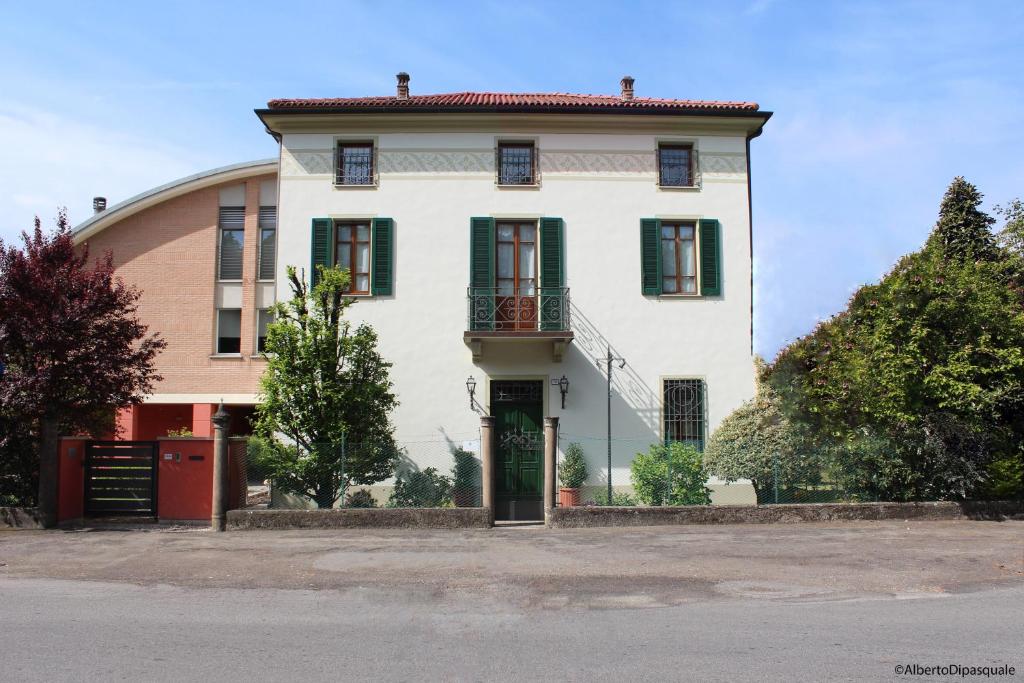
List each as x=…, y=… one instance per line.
x=572, y=474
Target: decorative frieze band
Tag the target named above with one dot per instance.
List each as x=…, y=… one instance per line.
x=321, y=162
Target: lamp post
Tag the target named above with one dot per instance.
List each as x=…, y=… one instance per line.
x=563, y=386
x=471, y=389
x=608, y=360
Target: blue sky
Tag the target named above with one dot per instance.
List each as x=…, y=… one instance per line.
x=878, y=105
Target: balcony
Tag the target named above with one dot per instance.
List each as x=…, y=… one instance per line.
x=500, y=314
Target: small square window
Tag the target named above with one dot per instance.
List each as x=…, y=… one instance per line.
x=517, y=163
x=354, y=164
x=675, y=166
x=229, y=330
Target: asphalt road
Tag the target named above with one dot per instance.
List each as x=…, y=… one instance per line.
x=837, y=601
x=60, y=630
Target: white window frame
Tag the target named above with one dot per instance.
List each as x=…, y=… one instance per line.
x=216, y=338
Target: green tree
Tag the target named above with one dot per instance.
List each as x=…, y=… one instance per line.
x=326, y=392
x=671, y=474
x=931, y=358
x=72, y=348
x=757, y=441
x=1011, y=236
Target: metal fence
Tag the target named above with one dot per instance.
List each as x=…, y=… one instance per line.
x=645, y=471
x=413, y=474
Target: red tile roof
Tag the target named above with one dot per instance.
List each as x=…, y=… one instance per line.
x=487, y=101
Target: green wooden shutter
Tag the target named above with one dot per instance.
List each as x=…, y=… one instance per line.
x=710, y=257
x=321, y=247
x=552, y=275
x=383, y=275
x=481, y=273
x=650, y=256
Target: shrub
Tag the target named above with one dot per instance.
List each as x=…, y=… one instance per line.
x=19, y=462
x=361, y=498
x=465, y=478
x=180, y=431
x=759, y=442
x=573, y=471
x=670, y=475
x=618, y=499
x=1006, y=478
x=421, y=489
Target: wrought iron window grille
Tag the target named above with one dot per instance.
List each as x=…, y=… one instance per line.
x=678, y=166
x=355, y=163
x=684, y=405
x=516, y=164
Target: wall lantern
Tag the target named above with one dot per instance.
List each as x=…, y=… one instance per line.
x=471, y=389
x=563, y=386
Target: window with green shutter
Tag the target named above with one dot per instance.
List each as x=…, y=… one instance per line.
x=481, y=273
x=669, y=261
x=650, y=256
x=710, y=257
x=322, y=247
x=552, y=274
x=383, y=256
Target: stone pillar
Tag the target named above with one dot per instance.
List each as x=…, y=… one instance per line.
x=550, y=449
x=49, y=470
x=221, y=419
x=487, y=463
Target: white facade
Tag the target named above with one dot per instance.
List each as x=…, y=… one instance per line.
x=597, y=173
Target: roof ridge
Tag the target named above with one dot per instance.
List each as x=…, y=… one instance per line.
x=543, y=100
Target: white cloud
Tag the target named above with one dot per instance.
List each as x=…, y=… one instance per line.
x=52, y=161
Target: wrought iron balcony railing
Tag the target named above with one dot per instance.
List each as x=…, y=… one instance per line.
x=501, y=309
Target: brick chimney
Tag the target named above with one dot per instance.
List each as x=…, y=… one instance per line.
x=403, y=85
x=99, y=204
x=627, y=88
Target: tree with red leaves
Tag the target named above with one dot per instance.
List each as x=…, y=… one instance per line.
x=72, y=348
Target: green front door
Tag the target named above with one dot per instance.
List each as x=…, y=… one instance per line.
x=518, y=409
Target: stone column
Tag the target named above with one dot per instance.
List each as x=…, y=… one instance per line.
x=487, y=463
x=49, y=469
x=550, y=449
x=220, y=419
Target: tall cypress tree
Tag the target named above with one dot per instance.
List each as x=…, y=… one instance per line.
x=964, y=231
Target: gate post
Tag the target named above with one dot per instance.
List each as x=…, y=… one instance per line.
x=220, y=419
x=487, y=464
x=550, y=448
x=49, y=469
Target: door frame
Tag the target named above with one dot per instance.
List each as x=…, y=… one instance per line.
x=545, y=389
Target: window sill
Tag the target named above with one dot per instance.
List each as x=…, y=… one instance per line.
x=682, y=296
x=518, y=186
x=257, y=356
x=266, y=279
x=222, y=281
x=676, y=188
x=226, y=356
x=355, y=186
